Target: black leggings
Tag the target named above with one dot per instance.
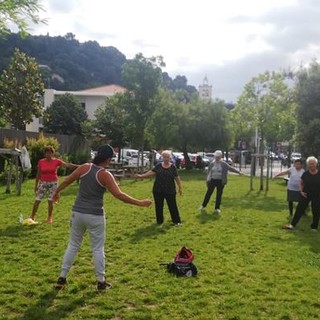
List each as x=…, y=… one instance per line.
x=301, y=208
x=211, y=185
x=172, y=205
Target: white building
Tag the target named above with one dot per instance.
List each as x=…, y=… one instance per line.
x=90, y=99
x=205, y=91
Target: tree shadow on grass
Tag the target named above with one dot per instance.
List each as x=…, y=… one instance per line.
x=44, y=307
x=15, y=230
x=305, y=235
x=256, y=201
x=204, y=216
x=151, y=231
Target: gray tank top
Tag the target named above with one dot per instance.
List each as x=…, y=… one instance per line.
x=91, y=191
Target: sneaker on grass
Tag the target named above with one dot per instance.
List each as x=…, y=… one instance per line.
x=288, y=227
x=61, y=283
x=217, y=211
x=102, y=286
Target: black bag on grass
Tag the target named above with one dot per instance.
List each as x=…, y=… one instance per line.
x=183, y=265
x=182, y=269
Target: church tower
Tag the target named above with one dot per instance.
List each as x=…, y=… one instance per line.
x=205, y=91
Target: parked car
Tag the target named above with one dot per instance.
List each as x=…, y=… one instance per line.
x=206, y=161
x=197, y=161
x=210, y=157
x=134, y=160
x=295, y=156
x=115, y=160
x=229, y=161
x=133, y=157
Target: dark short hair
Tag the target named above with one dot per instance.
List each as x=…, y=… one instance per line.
x=49, y=149
x=104, y=152
x=298, y=160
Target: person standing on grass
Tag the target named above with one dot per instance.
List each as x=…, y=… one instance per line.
x=88, y=212
x=164, y=188
x=217, y=178
x=47, y=180
x=293, y=185
x=310, y=192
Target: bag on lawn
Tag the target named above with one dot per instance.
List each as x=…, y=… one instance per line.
x=183, y=265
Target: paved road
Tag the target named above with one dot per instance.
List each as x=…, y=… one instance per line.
x=274, y=168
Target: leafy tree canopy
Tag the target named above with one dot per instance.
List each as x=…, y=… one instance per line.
x=110, y=120
x=142, y=77
x=194, y=126
x=21, y=13
x=267, y=103
x=65, y=116
x=21, y=90
x=308, y=95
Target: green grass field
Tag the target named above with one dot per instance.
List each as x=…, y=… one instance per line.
x=249, y=268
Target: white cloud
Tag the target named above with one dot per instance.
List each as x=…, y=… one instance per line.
x=229, y=40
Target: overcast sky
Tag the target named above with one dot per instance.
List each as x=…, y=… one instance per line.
x=229, y=41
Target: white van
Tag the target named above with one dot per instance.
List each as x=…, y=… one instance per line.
x=132, y=155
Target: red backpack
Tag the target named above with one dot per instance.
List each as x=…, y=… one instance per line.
x=184, y=256
x=182, y=265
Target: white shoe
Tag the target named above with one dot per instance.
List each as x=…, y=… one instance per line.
x=201, y=208
x=217, y=211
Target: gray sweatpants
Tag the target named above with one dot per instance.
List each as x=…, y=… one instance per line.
x=96, y=225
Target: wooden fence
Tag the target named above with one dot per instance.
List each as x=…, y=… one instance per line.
x=68, y=144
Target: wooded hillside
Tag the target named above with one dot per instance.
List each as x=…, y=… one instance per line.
x=68, y=64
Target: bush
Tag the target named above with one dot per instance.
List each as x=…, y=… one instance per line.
x=80, y=157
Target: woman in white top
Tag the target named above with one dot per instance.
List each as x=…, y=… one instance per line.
x=294, y=173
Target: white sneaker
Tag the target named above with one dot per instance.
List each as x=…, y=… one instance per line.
x=217, y=211
x=201, y=208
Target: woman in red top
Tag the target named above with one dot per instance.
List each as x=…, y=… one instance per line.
x=47, y=180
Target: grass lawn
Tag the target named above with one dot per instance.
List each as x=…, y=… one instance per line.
x=248, y=267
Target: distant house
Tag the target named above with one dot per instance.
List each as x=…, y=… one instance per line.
x=90, y=99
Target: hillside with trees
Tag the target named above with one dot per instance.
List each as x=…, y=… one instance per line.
x=67, y=64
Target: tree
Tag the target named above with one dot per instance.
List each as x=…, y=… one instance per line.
x=65, y=116
x=142, y=77
x=209, y=125
x=21, y=89
x=163, y=127
x=21, y=13
x=193, y=126
x=110, y=120
x=308, y=112
x=268, y=105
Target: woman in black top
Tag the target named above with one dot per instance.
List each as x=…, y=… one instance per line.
x=310, y=192
x=164, y=188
